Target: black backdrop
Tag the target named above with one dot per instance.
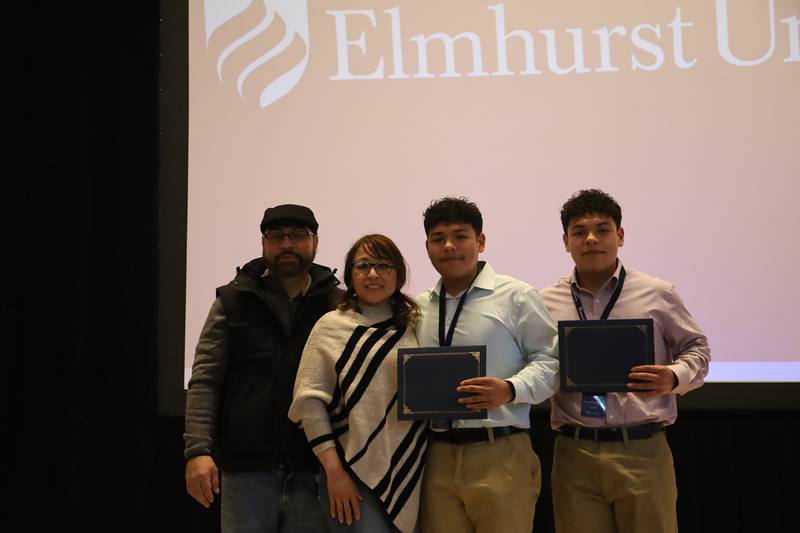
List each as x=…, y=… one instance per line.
x=85, y=444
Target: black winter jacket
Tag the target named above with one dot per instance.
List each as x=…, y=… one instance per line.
x=266, y=333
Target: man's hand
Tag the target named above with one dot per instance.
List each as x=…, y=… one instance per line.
x=489, y=392
x=202, y=479
x=657, y=380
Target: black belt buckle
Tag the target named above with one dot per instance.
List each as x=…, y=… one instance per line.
x=463, y=436
x=611, y=433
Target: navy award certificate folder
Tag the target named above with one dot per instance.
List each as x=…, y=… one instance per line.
x=597, y=355
x=427, y=379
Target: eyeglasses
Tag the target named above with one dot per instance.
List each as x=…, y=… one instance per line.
x=296, y=236
x=363, y=268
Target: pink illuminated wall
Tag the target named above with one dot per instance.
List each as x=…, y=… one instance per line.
x=687, y=111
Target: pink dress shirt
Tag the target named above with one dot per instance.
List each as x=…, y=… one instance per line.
x=679, y=342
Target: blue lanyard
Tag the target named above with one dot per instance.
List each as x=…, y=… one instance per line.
x=607, y=311
x=447, y=340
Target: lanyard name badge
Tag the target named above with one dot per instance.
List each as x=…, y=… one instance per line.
x=447, y=340
x=593, y=404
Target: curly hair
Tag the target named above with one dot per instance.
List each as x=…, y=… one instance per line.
x=452, y=210
x=590, y=201
x=404, y=309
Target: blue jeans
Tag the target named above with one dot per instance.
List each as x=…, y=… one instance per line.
x=373, y=517
x=271, y=501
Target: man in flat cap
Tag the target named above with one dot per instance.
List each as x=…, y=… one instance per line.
x=242, y=379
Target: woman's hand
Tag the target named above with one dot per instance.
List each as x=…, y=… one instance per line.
x=343, y=495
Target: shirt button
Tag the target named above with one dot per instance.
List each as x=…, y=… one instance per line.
x=597, y=301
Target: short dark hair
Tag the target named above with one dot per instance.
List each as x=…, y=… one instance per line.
x=590, y=201
x=451, y=210
x=404, y=308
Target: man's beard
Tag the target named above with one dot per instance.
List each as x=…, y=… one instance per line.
x=283, y=269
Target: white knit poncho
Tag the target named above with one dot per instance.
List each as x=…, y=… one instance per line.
x=345, y=395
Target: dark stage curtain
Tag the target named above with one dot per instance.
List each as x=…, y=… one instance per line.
x=81, y=410
x=84, y=446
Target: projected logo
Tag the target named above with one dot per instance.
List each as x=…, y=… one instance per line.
x=260, y=46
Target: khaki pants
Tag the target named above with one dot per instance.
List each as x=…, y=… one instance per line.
x=611, y=487
x=482, y=487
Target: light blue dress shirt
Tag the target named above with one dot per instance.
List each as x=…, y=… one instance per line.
x=509, y=317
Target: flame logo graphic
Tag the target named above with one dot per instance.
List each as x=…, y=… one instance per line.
x=261, y=46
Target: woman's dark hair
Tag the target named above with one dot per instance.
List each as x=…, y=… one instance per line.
x=404, y=308
x=449, y=210
x=590, y=201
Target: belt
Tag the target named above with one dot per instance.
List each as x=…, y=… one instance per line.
x=611, y=433
x=468, y=435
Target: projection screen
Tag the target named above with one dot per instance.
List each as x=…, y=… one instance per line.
x=687, y=112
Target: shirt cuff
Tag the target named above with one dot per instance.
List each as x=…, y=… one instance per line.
x=513, y=390
x=197, y=446
x=322, y=446
x=521, y=390
x=684, y=378
x=316, y=428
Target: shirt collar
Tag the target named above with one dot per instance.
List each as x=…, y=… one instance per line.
x=487, y=280
x=611, y=282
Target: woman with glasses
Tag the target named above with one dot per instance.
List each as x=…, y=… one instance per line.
x=345, y=397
